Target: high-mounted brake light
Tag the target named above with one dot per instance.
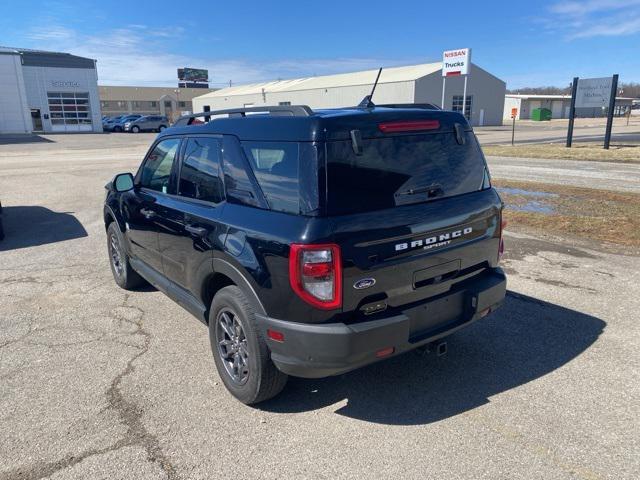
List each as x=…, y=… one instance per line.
x=409, y=126
x=315, y=274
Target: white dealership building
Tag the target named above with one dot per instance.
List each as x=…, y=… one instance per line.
x=48, y=92
x=398, y=85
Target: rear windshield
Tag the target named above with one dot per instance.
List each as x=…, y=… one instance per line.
x=400, y=170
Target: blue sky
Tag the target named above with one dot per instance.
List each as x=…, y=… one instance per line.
x=526, y=43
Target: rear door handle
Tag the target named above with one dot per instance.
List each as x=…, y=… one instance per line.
x=198, y=231
x=148, y=214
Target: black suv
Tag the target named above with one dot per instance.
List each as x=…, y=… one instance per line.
x=312, y=242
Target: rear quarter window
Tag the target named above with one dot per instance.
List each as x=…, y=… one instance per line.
x=275, y=166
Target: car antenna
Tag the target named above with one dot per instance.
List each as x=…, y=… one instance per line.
x=366, y=101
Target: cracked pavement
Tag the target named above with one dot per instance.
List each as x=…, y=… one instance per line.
x=100, y=383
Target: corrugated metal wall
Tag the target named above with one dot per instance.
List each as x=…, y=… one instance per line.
x=400, y=92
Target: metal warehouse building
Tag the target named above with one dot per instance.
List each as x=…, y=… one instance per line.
x=559, y=106
x=411, y=84
x=47, y=92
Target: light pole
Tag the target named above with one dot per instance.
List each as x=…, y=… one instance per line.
x=177, y=92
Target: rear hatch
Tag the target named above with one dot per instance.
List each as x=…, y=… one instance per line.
x=412, y=211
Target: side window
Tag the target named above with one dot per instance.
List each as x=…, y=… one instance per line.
x=275, y=165
x=200, y=171
x=240, y=187
x=156, y=171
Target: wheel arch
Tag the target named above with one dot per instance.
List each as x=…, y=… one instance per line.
x=224, y=274
x=110, y=217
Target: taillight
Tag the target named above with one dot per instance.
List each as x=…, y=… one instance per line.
x=409, y=126
x=315, y=274
x=503, y=224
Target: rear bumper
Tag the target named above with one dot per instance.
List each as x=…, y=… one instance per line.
x=322, y=350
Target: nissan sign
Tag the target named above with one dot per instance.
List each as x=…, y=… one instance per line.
x=456, y=62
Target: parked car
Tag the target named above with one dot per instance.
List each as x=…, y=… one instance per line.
x=313, y=243
x=108, y=120
x=118, y=124
x=149, y=123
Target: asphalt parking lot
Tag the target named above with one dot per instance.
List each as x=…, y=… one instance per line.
x=100, y=383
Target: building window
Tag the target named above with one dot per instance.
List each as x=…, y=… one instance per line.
x=457, y=105
x=182, y=104
x=70, y=108
x=111, y=105
x=154, y=104
x=167, y=104
x=284, y=104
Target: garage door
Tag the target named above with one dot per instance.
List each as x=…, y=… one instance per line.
x=556, y=109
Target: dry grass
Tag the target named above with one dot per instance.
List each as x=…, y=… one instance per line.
x=627, y=153
x=591, y=214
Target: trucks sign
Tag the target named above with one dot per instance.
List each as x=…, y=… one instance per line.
x=456, y=62
x=593, y=92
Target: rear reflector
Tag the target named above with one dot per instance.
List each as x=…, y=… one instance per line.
x=409, y=126
x=385, y=352
x=275, y=335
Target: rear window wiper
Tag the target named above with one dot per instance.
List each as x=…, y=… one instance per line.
x=434, y=190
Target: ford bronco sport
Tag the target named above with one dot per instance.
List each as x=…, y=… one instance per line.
x=312, y=242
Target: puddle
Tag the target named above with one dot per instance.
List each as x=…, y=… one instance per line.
x=531, y=202
x=525, y=193
x=532, y=206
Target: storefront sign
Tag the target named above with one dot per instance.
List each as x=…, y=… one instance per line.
x=65, y=84
x=593, y=92
x=456, y=62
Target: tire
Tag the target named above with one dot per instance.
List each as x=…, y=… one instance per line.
x=124, y=275
x=117, y=129
x=135, y=129
x=161, y=128
x=257, y=377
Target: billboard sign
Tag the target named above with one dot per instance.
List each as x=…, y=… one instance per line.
x=456, y=62
x=593, y=92
x=193, y=74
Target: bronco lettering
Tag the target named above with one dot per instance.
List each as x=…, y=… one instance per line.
x=436, y=241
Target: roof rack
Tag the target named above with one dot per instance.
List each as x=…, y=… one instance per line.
x=277, y=111
x=425, y=106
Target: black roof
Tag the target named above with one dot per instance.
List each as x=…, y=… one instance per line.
x=326, y=124
x=42, y=58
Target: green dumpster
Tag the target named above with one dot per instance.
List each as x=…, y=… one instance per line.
x=540, y=114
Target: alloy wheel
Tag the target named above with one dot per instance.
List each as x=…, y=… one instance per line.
x=232, y=346
x=116, y=257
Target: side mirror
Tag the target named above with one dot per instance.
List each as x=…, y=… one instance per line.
x=123, y=182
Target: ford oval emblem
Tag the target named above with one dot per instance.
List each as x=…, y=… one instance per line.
x=364, y=283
